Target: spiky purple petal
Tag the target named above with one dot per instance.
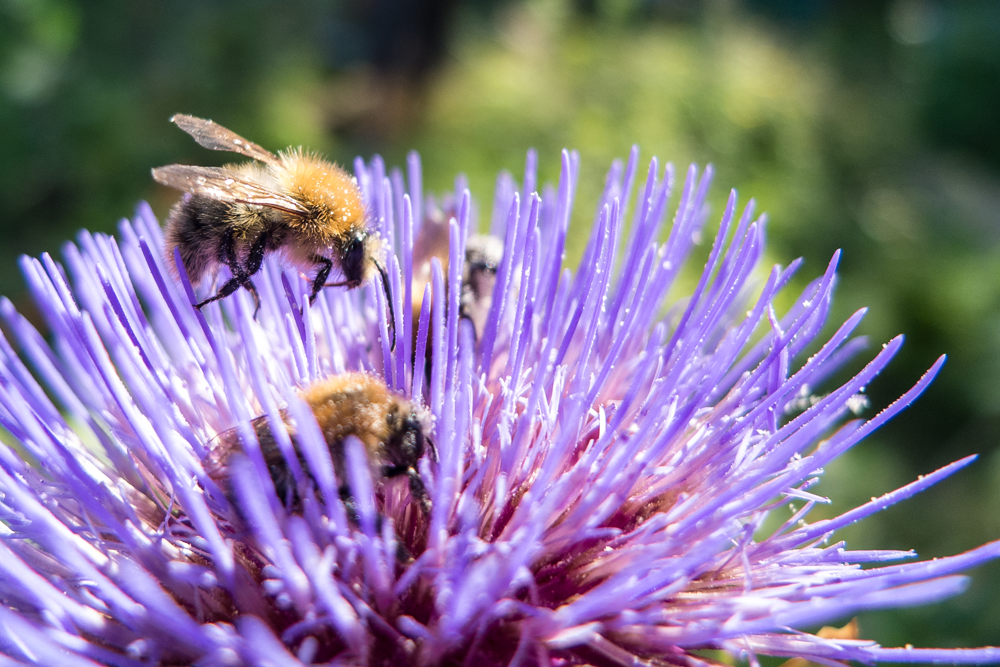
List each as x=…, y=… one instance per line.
x=605, y=457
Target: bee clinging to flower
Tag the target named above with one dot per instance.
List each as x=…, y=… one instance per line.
x=483, y=255
x=392, y=429
x=294, y=203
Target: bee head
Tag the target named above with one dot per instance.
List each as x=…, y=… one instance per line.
x=358, y=252
x=408, y=429
x=351, y=253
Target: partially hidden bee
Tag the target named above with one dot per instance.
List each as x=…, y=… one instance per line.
x=392, y=428
x=483, y=254
x=293, y=203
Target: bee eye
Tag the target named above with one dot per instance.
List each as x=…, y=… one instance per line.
x=355, y=252
x=352, y=260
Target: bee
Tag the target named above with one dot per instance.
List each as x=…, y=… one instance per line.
x=294, y=203
x=392, y=429
x=483, y=254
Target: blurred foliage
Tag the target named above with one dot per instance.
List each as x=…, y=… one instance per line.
x=867, y=126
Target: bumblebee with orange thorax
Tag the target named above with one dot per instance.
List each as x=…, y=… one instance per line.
x=392, y=429
x=294, y=203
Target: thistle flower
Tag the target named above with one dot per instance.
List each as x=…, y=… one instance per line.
x=606, y=457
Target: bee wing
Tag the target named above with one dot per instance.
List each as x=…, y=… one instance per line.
x=213, y=136
x=228, y=442
x=224, y=185
x=221, y=449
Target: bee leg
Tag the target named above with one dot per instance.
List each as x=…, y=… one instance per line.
x=430, y=445
x=417, y=489
x=241, y=275
x=349, y=505
x=227, y=255
x=256, y=297
x=254, y=261
x=223, y=292
x=319, y=282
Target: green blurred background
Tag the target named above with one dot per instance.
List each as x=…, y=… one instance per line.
x=867, y=126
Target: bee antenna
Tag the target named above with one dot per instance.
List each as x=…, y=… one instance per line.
x=388, y=300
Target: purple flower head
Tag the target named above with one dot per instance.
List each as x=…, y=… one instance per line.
x=601, y=456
